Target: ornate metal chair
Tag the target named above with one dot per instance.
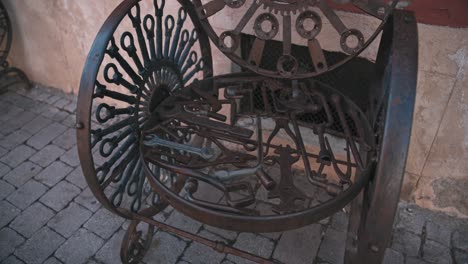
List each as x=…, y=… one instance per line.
x=298, y=135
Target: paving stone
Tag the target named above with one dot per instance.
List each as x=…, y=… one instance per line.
x=254, y=244
x=71, y=157
x=438, y=232
x=27, y=194
x=460, y=239
x=71, y=106
x=51, y=100
x=229, y=235
x=79, y=248
x=5, y=189
x=17, y=156
x=413, y=260
x=36, y=124
x=87, y=199
x=4, y=169
x=52, y=260
x=300, y=245
x=67, y=140
x=198, y=253
x=46, y=135
x=61, y=103
x=165, y=248
x=17, y=122
x=60, y=195
x=339, y=221
x=14, y=139
x=3, y=152
x=104, y=223
x=406, y=243
x=12, y=260
x=55, y=114
x=70, y=121
x=110, y=252
x=9, y=112
x=9, y=212
x=434, y=252
x=460, y=257
x=393, y=257
x=32, y=219
x=77, y=178
x=183, y=222
x=67, y=221
x=47, y=155
x=54, y=173
x=9, y=240
x=23, y=173
x=411, y=221
x=40, y=246
x=332, y=248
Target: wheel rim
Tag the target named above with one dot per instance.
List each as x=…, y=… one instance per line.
x=131, y=67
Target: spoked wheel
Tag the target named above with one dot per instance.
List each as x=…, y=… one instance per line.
x=141, y=56
x=270, y=155
x=136, y=242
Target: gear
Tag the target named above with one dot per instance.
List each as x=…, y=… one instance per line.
x=287, y=7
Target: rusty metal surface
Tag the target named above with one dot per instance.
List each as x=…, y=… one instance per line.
x=284, y=20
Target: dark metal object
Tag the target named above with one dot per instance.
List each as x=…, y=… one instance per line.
x=299, y=16
x=8, y=75
x=281, y=154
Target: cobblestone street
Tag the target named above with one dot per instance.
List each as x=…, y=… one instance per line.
x=48, y=215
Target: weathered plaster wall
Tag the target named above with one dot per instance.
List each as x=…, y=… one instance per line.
x=52, y=39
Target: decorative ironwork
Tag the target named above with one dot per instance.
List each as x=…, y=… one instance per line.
x=8, y=75
x=301, y=19
x=151, y=56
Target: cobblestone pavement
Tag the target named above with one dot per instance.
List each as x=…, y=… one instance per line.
x=48, y=214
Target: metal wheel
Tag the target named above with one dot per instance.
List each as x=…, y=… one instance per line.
x=260, y=155
x=136, y=242
x=6, y=36
x=290, y=22
x=146, y=51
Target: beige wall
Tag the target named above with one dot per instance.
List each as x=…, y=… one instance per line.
x=53, y=37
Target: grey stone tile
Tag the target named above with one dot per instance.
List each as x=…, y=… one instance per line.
x=54, y=173
x=110, y=252
x=40, y=246
x=71, y=157
x=87, y=199
x=434, y=252
x=3, y=152
x=79, y=248
x=32, y=219
x=183, y=222
x=9, y=212
x=46, y=135
x=332, y=248
x=17, y=156
x=55, y=114
x=47, y=155
x=71, y=107
x=60, y=195
x=36, y=124
x=460, y=256
x=300, y=245
x=62, y=103
x=252, y=243
x=406, y=243
x=14, y=139
x=27, y=194
x=5, y=189
x=9, y=112
x=393, y=257
x=67, y=221
x=438, y=232
x=9, y=240
x=23, y=173
x=413, y=260
x=67, y=140
x=52, y=260
x=198, y=253
x=339, y=221
x=12, y=260
x=460, y=239
x=411, y=221
x=77, y=178
x=104, y=223
x=229, y=235
x=51, y=100
x=17, y=122
x=4, y=169
x=167, y=252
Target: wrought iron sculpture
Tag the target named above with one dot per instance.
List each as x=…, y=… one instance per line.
x=9, y=75
x=245, y=151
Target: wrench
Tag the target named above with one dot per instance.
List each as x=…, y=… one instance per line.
x=153, y=141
